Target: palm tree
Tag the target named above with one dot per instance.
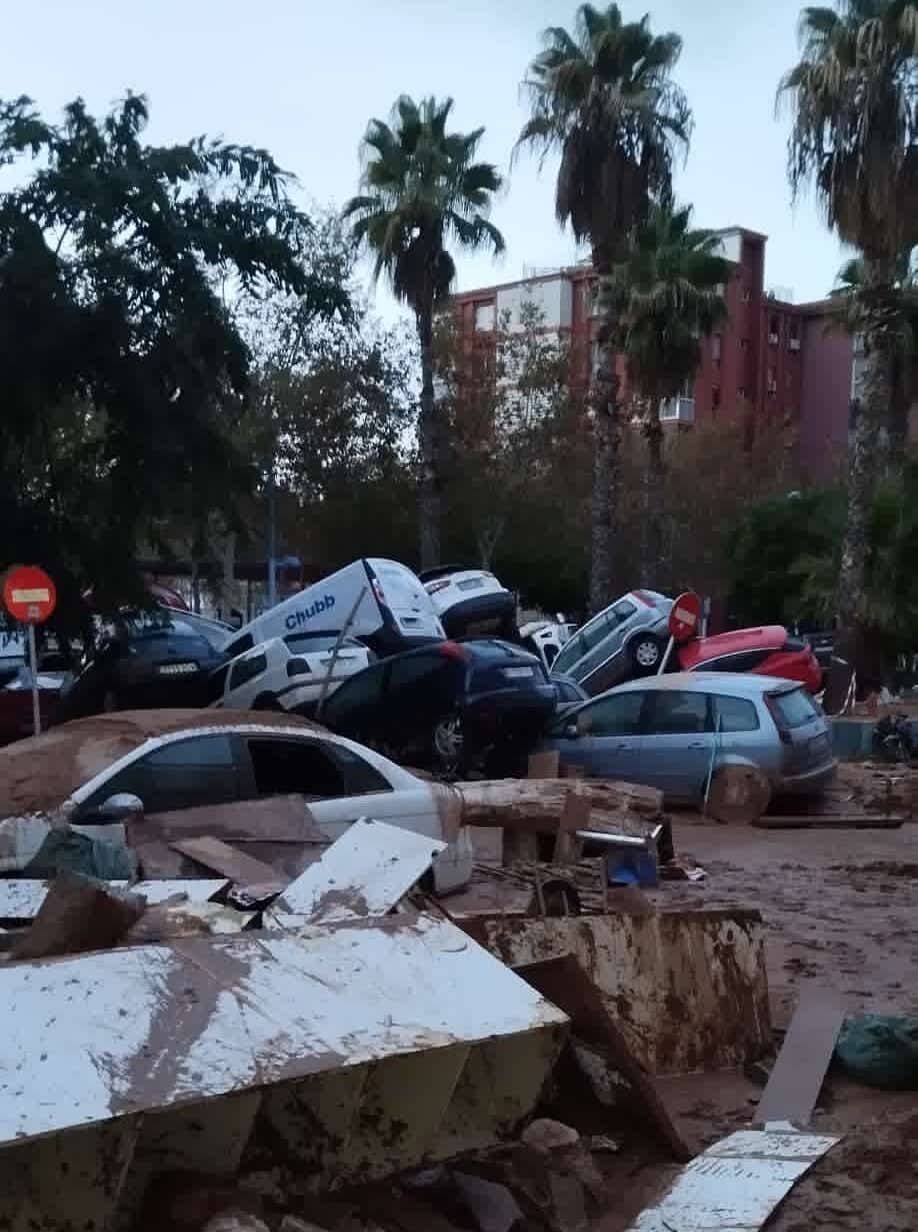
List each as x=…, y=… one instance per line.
x=423, y=189
x=899, y=308
x=605, y=99
x=855, y=138
x=667, y=297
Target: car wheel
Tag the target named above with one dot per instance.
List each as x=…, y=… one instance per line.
x=646, y=654
x=448, y=743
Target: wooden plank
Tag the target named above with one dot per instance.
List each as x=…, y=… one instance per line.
x=831, y=821
x=565, y=983
x=245, y=871
x=796, y=1080
x=574, y=816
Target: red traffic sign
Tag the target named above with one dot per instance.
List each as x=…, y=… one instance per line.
x=685, y=618
x=29, y=594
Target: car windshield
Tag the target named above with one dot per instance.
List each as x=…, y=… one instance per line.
x=304, y=643
x=593, y=633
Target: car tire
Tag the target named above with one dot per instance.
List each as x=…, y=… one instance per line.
x=448, y=744
x=267, y=701
x=646, y=652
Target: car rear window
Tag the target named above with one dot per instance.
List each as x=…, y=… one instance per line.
x=796, y=708
x=303, y=643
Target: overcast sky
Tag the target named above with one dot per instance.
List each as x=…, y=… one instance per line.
x=302, y=77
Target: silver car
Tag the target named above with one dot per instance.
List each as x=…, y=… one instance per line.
x=627, y=639
x=672, y=731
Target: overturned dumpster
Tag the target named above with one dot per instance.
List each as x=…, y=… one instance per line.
x=357, y=1050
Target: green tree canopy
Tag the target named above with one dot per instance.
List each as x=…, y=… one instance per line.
x=123, y=369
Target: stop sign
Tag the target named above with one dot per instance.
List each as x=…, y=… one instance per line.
x=685, y=618
x=29, y=594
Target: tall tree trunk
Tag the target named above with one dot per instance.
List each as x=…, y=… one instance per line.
x=654, y=483
x=868, y=433
x=429, y=436
x=607, y=432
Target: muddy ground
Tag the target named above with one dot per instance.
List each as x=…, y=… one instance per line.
x=840, y=908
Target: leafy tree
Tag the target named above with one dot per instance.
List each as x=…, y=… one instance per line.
x=422, y=191
x=854, y=95
x=605, y=99
x=124, y=372
x=667, y=296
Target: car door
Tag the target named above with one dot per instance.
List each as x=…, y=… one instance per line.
x=678, y=742
x=607, y=739
x=338, y=784
x=181, y=774
x=246, y=680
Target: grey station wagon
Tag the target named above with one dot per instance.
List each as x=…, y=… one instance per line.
x=671, y=731
x=627, y=639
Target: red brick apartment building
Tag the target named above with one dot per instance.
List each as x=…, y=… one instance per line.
x=772, y=363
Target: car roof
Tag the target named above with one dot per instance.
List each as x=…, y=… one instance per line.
x=39, y=774
x=733, y=684
x=703, y=649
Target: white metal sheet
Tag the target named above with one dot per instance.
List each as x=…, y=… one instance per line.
x=362, y=875
x=736, y=1184
x=110, y=1034
x=21, y=897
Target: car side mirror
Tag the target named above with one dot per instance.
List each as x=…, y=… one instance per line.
x=118, y=807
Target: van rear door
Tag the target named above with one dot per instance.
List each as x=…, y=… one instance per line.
x=407, y=609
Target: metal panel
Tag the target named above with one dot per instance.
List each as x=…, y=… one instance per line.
x=736, y=1184
x=109, y=1034
x=688, y=989
x=362, y=875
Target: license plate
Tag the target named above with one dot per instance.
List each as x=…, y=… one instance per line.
x=518, y=673
x=177, y=669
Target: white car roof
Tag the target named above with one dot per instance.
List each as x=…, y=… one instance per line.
x=397, y=776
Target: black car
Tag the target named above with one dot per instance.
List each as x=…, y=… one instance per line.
x=451, y=706
x=143, y=669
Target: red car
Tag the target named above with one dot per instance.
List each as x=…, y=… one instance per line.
x=765, y=652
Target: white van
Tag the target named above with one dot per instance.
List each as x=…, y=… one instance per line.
x=391, y=610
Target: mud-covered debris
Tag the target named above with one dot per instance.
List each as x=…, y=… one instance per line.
x=547, y=1135
x=78, y=915
x=235, y=1221
x=492, y=1206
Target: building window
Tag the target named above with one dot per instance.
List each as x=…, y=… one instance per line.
x=484, y=316
x=793, y=340
x=772, y=383
x=744, y=344
x=715, y=397
x=741, y=392
x=747, y=296
x=717, y=343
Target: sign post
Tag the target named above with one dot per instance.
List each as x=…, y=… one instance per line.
x=30, y=597
x=684, y=622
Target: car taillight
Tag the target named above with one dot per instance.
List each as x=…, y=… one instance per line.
x=775, y=711
x=433, y=587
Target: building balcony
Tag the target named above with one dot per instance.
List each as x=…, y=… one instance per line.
x=677, y=410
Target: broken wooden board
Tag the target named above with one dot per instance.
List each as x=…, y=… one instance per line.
x=795, y=1082
x=278, y=830
x=362, y=875
x=255, y=878
x=575, y=816
x=565, y=983
x=831, y=821
x=735, y=1184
